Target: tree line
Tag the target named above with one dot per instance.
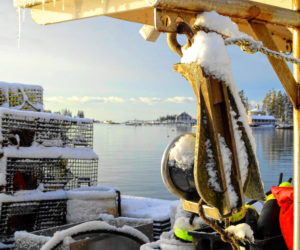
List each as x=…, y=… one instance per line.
x=275, y=103
x=278, y=105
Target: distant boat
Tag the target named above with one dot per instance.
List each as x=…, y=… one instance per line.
x=284, y=126
x=110, y=122
x=134, y=123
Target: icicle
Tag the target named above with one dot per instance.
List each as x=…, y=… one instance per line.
x=63, y=5
x=54, y=3
x=23, y=15
x=19, y=31
x=43, y=5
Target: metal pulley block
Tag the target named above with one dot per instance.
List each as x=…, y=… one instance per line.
x=215, y=173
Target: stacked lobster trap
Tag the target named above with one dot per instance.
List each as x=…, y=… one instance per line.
x=41, y=155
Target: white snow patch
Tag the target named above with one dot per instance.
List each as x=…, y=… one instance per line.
x=242, y=231
x=227, y=164
x=39, y=151
x=221, y=24
x=140, y=207
x=33, y=195
x=211, y=168
x=25, y=240
x=209, y=51
x=88, y=204
x=183, y=152
x=91, y=226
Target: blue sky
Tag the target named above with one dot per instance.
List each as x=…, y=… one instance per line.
x=104, y=67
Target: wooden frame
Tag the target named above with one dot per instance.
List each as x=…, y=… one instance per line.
x=277, y=17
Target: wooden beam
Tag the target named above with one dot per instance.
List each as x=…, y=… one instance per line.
x=296, y=69
x=280, y=67
x=68, y=10
x=287, y=4
x=236, y=8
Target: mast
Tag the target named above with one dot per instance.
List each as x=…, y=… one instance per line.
x=296, y=71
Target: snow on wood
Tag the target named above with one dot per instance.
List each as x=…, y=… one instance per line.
x=240, y=148
x=140, y=207
x=213, y=179
x=91, y=226
x=227, y=164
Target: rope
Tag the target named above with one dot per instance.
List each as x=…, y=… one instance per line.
x=250, y=46
x=224, y=235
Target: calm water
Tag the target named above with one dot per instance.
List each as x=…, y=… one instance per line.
x=129, y=157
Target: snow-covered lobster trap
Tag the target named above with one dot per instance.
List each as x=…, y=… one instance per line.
x=46, y=129
x=31, y=212
x=52, y=173
x=20, y=96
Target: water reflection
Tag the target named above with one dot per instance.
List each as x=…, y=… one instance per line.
x=275, y=154
x=129, y=157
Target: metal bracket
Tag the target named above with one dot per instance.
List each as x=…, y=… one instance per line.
x=167, y=20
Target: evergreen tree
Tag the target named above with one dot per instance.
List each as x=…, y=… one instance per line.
x=279, y=106
x=244, y=100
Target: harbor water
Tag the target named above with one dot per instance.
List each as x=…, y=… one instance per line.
x=130, y=156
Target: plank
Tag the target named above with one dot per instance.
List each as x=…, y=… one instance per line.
x=280, y=67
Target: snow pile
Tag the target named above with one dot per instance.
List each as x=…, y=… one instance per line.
x=88, y=203
x=168, y=242
x=140, y=207
x=121, y=221
x=42, y=116
x=227, y=162
x=213, y=179
x=59, y=236
x=39, y=151
x=183, y=152
x=240, y=148
x=25, y=240
x=242, y=231
x=221, y=24
x=33, y=195
x=209, y=51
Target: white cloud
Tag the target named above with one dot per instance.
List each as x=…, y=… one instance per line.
x=180, y=99
x=115, y=99
x=150, y=100
x=84, y=99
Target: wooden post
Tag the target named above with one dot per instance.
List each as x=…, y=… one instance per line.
x=296, y=69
